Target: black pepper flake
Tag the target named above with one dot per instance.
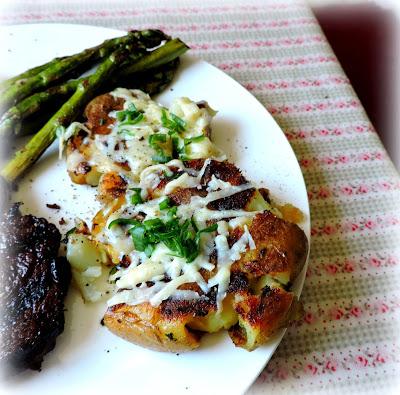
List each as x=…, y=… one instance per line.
x=53, y=206
x=62, y=221
x=102, y=322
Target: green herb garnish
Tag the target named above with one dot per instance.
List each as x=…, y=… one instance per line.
x=173, y=123
x=136, y=198
x=70, y=231
x=123, y=221
x=196, y=139
x=156, y=142
x=166, y=203
x=113, y=270
x=182, y=239
x=130, y=116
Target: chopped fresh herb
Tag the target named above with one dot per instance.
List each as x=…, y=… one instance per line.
x=149, y=250
x=183, y=239
x=123, y=221
x=113, y=270
x=72, y=230
x=156, y=141
x=178, y=146
x=194, y=225
x=166, y=203
x=173, y=123
x=138, y=235
x=136, y=197
x=130, y=116
x=161, y=158
x=209, y=229
x=172, y=212
x=152, y=224
x=171, y=176
x=135, y=120
x=175, y=176
x=196, y=139
x=157, y=138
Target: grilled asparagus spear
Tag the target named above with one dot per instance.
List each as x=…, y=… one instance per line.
x=36, y=106
x=62, y=68
x=66, y=114
x=84, y=92
x=28, y=73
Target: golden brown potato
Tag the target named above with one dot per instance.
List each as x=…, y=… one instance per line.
x=161, y=328
x=281, y=249
x=260, y=316
x=111, y=186
x=256, y=305
x=97, y=113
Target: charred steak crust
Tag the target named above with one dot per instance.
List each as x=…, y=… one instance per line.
x=34, y=283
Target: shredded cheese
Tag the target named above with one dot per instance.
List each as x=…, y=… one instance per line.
x=163, y=265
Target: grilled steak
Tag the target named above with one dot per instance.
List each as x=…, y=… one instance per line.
x=34, y=283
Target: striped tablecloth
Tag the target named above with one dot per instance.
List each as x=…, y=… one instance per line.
x=348, y=340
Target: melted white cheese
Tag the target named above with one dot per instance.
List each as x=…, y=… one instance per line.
x=132, y=280
x=159, y=277
x=129, y=143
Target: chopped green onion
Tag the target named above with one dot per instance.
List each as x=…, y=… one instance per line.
x=161, y=158
x=136, y=198
x=130, y=116
x=113, y=270
x=123, y=221
x=178, y=121
x=196, y=139
x=209, y=229
x=157, y=138
x=72, y=230
x=154, y=141
x=173, y=123
x=172, y=212
x=166, y=203
x=152, y=224
x=138, y=237
x=195, y=227
x=134, y=121
x=149, y=250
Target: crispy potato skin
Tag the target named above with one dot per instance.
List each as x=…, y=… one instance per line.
x=111, y=186
x=252, y=314
x=281, y=248
x=146, y=326
x=98, y=122
x=97, y=113
x=260, y=316
x=81, y=172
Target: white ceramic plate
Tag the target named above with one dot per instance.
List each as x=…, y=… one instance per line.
x=88, y=359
